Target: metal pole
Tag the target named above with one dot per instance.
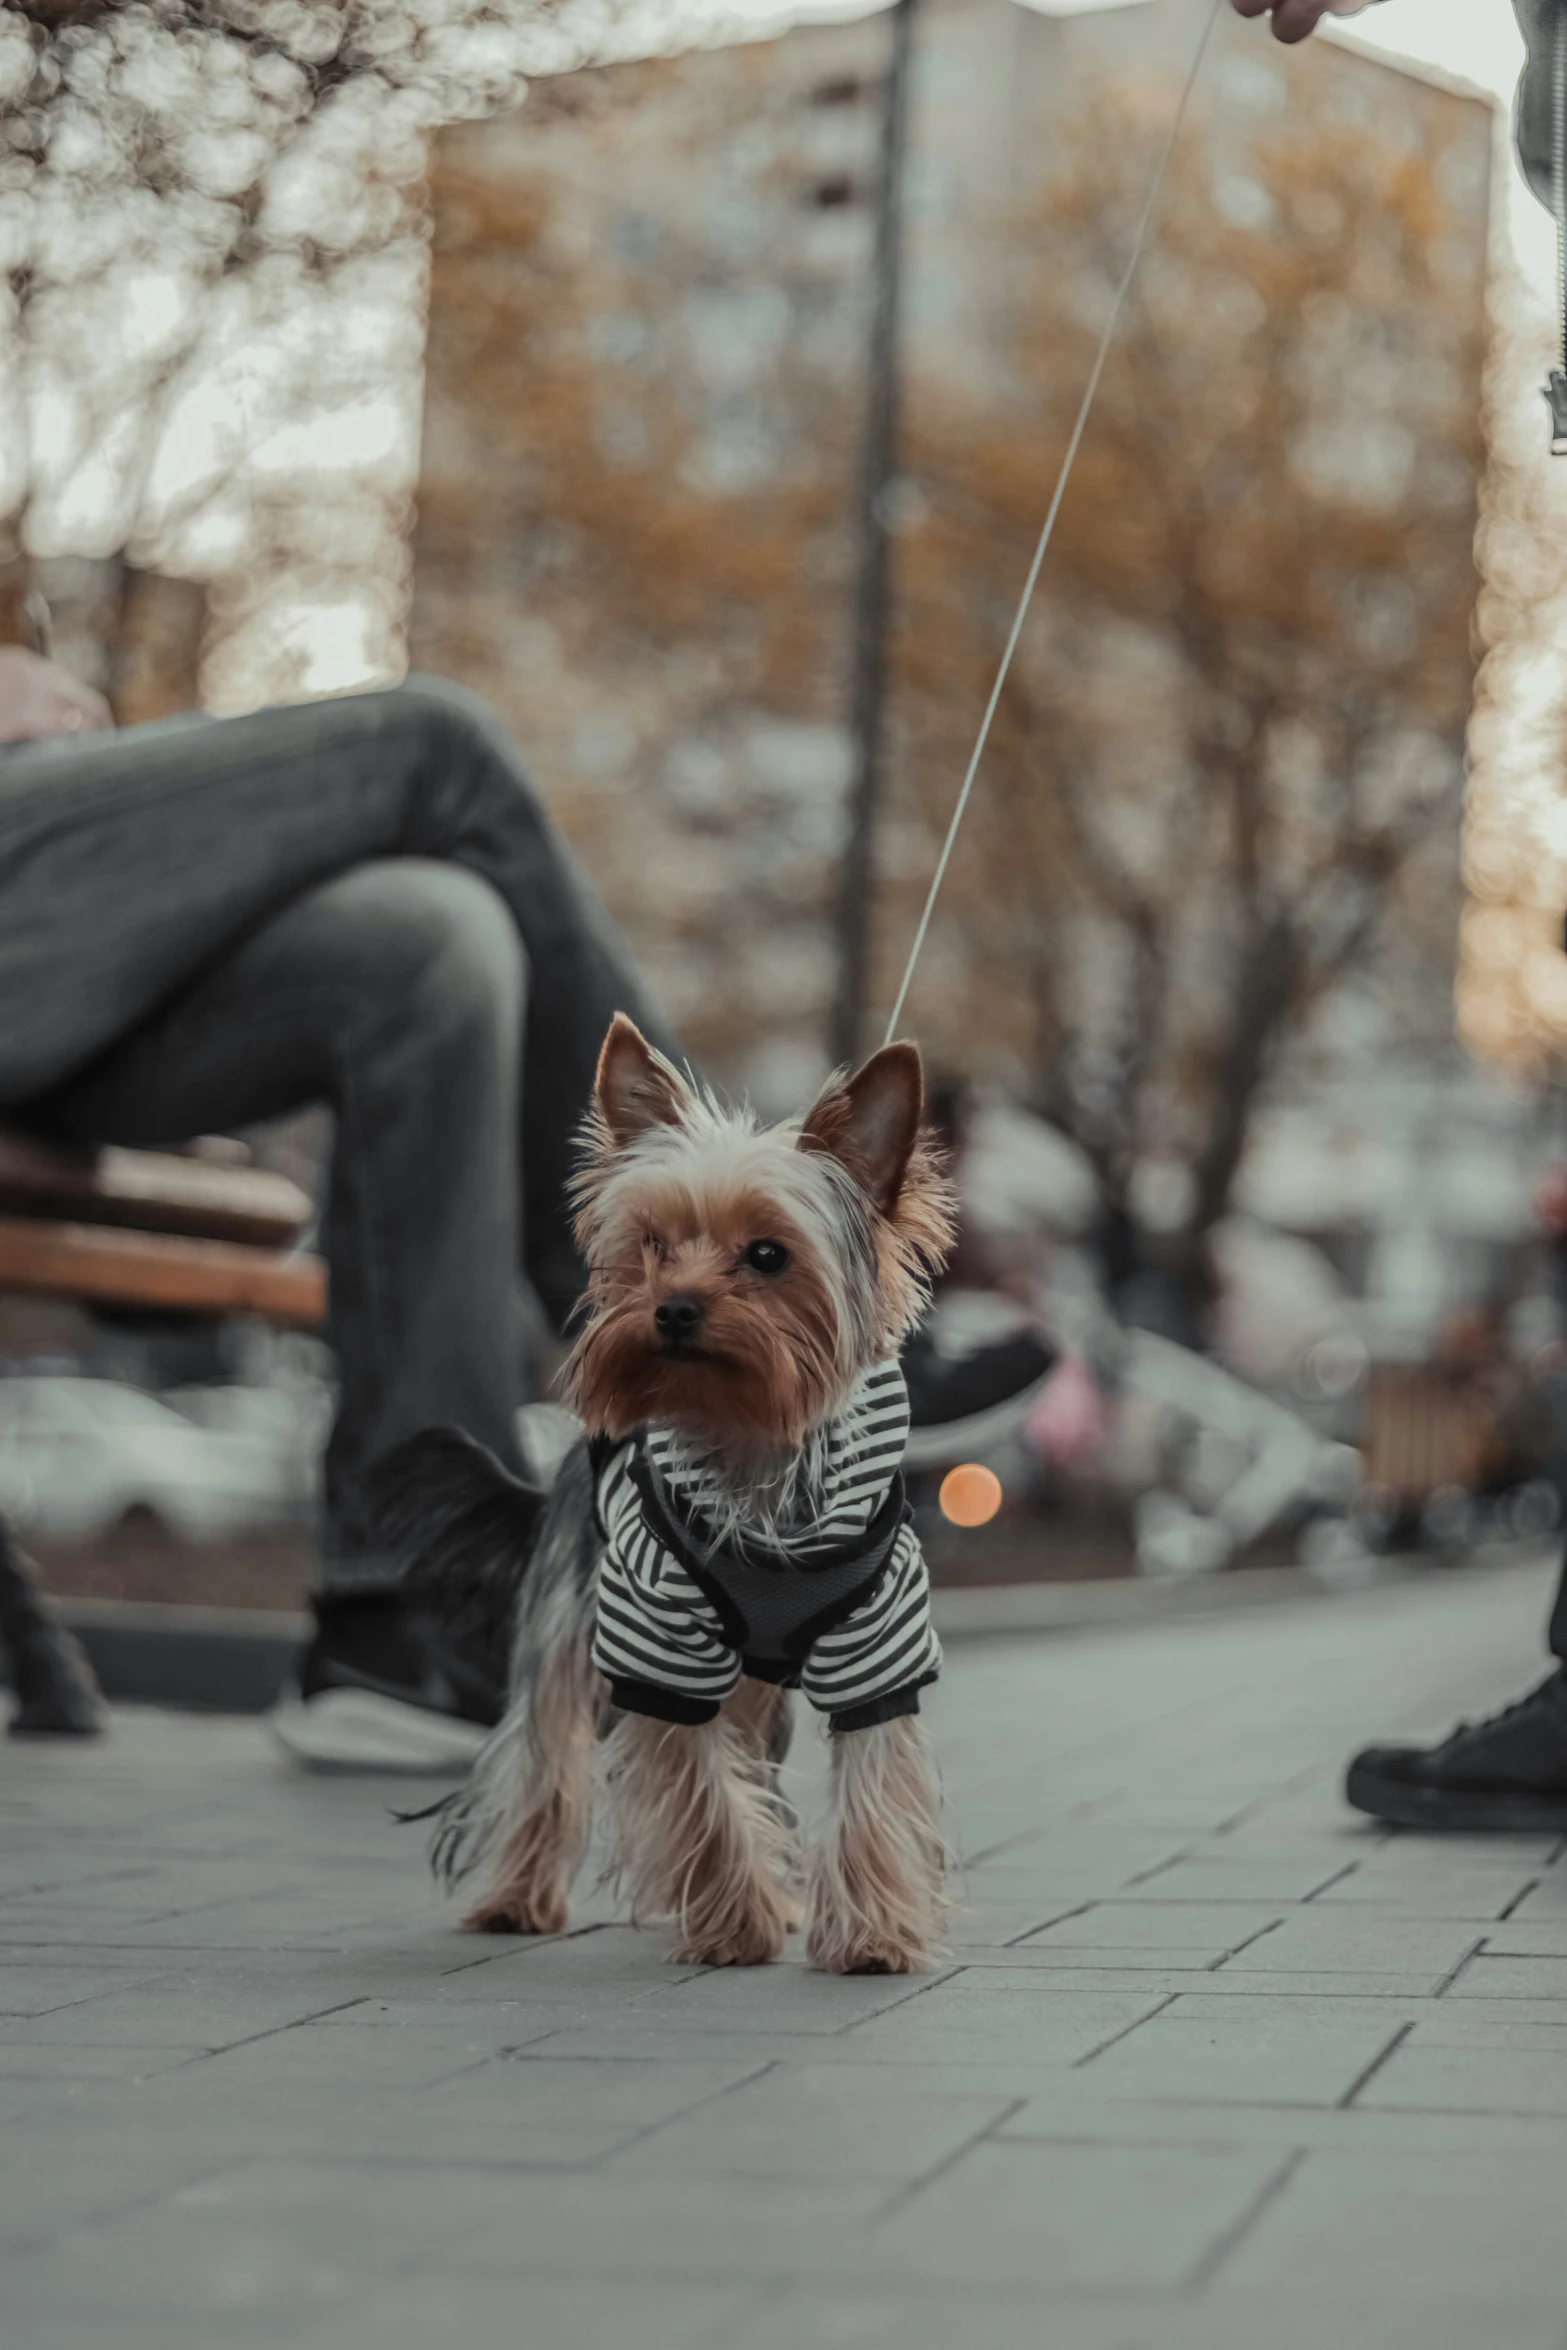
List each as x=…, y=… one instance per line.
x=872, y=600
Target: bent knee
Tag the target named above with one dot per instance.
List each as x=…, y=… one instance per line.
x=436, y=945
x=448, y=712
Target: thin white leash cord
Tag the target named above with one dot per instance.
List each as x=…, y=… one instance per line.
x=1085, y=405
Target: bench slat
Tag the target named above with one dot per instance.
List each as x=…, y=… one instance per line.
x=151, y=1269
x=151, y=1191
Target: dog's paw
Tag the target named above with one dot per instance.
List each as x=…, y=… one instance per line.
x=515, y=1917
x=754, y=1942
x=869, y=1954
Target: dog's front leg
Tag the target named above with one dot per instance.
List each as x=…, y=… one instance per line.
x=700, y=1838
x=877, y=1901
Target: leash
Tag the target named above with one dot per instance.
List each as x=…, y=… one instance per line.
x=1084, y=409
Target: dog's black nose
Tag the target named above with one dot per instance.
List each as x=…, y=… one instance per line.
x=678, y=1318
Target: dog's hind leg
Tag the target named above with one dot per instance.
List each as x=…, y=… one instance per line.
x=514, y=1836
x=700, y=1838
x=877, y=1900
x=541, y=1834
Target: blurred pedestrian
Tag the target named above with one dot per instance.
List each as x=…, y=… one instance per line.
x=1509, y=1771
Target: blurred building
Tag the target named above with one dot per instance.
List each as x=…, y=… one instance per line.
x=647, y=327
x=135, y=635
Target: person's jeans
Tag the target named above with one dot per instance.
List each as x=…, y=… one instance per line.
x=205, y=923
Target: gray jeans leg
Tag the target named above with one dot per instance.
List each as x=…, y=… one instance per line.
x=396, y=994
x=132, y=863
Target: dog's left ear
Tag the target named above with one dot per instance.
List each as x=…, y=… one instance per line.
x=871, y=1121
x=636, y=1088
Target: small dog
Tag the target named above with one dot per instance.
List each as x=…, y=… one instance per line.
x=734, y=1527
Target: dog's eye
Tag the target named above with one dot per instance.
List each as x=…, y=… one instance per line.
x=654, y=1246
x=766, y=1256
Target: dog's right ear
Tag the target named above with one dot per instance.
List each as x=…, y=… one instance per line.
x=636, y=1088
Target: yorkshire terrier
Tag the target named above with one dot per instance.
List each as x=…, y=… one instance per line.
x=733, y=1528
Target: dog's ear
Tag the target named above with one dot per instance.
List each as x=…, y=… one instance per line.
x=871, y=1121
x=636, y=1088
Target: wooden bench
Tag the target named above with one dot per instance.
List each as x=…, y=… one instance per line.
x=190, y=1233
x=183, y=1234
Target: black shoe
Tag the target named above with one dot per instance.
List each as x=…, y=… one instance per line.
x=960, y=1404
x=1509, y=1772
x=385, y=1686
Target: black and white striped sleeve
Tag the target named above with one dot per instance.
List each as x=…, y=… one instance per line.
x=656, y=1637
x=872, y=1666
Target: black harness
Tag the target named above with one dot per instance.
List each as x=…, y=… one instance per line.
x=771, y=1611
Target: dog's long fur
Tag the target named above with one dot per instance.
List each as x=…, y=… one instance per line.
x=700, y=1833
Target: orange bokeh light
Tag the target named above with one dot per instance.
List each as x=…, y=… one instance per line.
x=971, y=1495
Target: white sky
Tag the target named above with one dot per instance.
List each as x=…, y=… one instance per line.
x=1478, y=41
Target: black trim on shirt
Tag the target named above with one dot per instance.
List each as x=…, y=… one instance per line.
x=880, y=1709
x=662, y=1705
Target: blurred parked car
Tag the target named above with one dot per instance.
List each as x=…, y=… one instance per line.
x=78, y=1455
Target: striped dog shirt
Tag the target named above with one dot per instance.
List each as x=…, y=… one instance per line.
x=834, y=1599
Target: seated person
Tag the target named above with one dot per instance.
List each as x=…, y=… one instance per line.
x=205, y=923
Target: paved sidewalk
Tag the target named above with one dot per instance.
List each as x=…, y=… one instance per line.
x=1214, y=2068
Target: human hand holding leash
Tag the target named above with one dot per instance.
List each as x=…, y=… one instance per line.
x=1294, y=19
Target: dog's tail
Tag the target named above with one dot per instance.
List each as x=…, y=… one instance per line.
x=460, y=1530
x=506, y=1563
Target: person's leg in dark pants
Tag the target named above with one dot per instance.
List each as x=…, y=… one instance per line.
x=1508, y=1772
x=397, y=995
x=205, y=923
x=132, y=863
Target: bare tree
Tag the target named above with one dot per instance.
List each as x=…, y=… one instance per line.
x=211, y=230
x=1233, y=742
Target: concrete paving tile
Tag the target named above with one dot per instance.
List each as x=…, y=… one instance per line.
x=1546, y=1900
x=1082, y=2216
x=1437, y=2229
x=562, y=2110
x=890, y=2317
x=1208, y=1930
x=1226, y=2320
x=630, y=2041
x=1234, y=1981
x=1090, y=1862
x=1511, y=1978
x=785, y=2123
x=1316, y=1941
x=271, y=2238
x=44, y=1990
x=1033, y=2025
x=542, y=2313
x=612, y=1962
x=760, y=2230
x=996, y=1920
x=790, y=1998
x=49, y=2328
x=165, y=2013
x=354, y=2060
x=55, y=2062
x=1492, y=2023
x=1147, y=1973
x=1249, y=2055
x=1254, y=1878
x=71, y=2178
x=1527, y=1938
x=1070, y=2112
x=580, y=2130
x=1426, y=2078
x=1462, y=1893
